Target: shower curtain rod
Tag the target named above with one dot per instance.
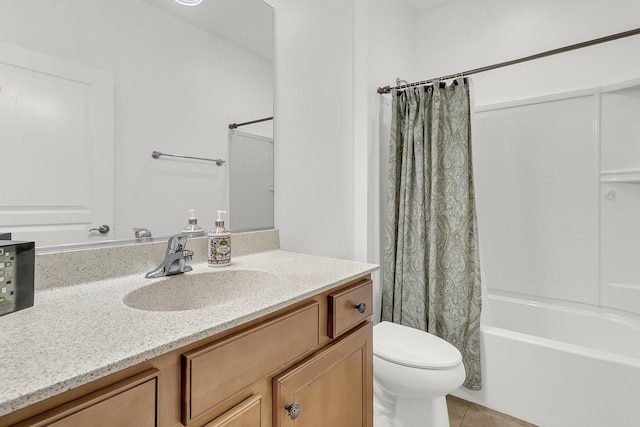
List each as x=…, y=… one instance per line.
x=387, y=89
x=235, y=125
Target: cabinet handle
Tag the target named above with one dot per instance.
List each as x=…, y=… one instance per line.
x=103, y=229
x=293, y=410
x=362, y=307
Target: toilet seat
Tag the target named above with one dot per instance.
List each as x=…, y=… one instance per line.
x=413, y=348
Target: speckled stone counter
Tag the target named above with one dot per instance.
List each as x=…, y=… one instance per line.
x=76, y=334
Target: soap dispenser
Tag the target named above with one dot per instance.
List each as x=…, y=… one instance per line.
x=219, y=244
x=193, y=229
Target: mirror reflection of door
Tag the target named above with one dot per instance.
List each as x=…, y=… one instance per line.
x=56, y=123
x=250, y=181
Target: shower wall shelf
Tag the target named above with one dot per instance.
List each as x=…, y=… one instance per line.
x=622, y=176
x=157, y=154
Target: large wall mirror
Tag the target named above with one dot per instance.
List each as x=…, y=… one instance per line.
x=90, y=88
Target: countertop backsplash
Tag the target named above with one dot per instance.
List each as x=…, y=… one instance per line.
x=73, y=267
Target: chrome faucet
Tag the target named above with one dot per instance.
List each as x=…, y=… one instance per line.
x=175, y=260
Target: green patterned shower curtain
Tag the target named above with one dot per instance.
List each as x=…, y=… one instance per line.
x=431, y=278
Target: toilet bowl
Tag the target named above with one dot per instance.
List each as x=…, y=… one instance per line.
x=413, y=371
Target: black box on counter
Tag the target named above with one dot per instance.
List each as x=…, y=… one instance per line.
x=17, y=261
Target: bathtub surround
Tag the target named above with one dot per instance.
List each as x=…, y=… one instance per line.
x=432, y=267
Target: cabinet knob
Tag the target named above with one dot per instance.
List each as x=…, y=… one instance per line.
x=293, y=410
x=362, y=307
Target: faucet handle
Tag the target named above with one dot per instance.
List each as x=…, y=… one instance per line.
x=141, y=232
x=176, y=243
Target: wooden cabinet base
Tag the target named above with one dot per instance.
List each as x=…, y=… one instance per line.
x=227, y=380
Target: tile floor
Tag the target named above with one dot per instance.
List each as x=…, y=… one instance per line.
x=467, y=414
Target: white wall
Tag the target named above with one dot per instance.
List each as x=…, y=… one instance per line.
x=176, y=90
x=390, y=46
x=493, y=31
x=390, y=56
x=313, y=130
x=330, y=58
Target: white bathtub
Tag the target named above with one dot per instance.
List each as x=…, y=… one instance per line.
x=559, y=365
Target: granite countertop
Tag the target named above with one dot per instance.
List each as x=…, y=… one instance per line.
x=76, y=334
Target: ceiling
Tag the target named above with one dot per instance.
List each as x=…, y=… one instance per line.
x=246, y=23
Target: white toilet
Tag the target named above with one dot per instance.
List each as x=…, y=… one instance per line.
x=413, y=371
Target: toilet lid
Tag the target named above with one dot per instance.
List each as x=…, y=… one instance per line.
x=414, y=348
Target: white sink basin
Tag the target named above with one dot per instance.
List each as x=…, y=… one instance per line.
x=192, y=291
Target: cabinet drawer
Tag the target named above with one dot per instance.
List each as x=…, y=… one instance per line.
x=216, y=372
x=245, y=414
x=349, y=307
x=129, y=403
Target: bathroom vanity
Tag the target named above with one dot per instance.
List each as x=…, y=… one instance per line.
x=294, y=343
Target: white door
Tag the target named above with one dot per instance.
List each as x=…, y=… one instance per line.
x=56, y=149
x=250, y=181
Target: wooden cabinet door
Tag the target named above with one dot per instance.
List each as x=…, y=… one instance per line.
x=333, y=388
x=129, y=403
x=246, y=414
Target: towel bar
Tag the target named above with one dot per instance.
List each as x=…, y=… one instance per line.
x=157, y=154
